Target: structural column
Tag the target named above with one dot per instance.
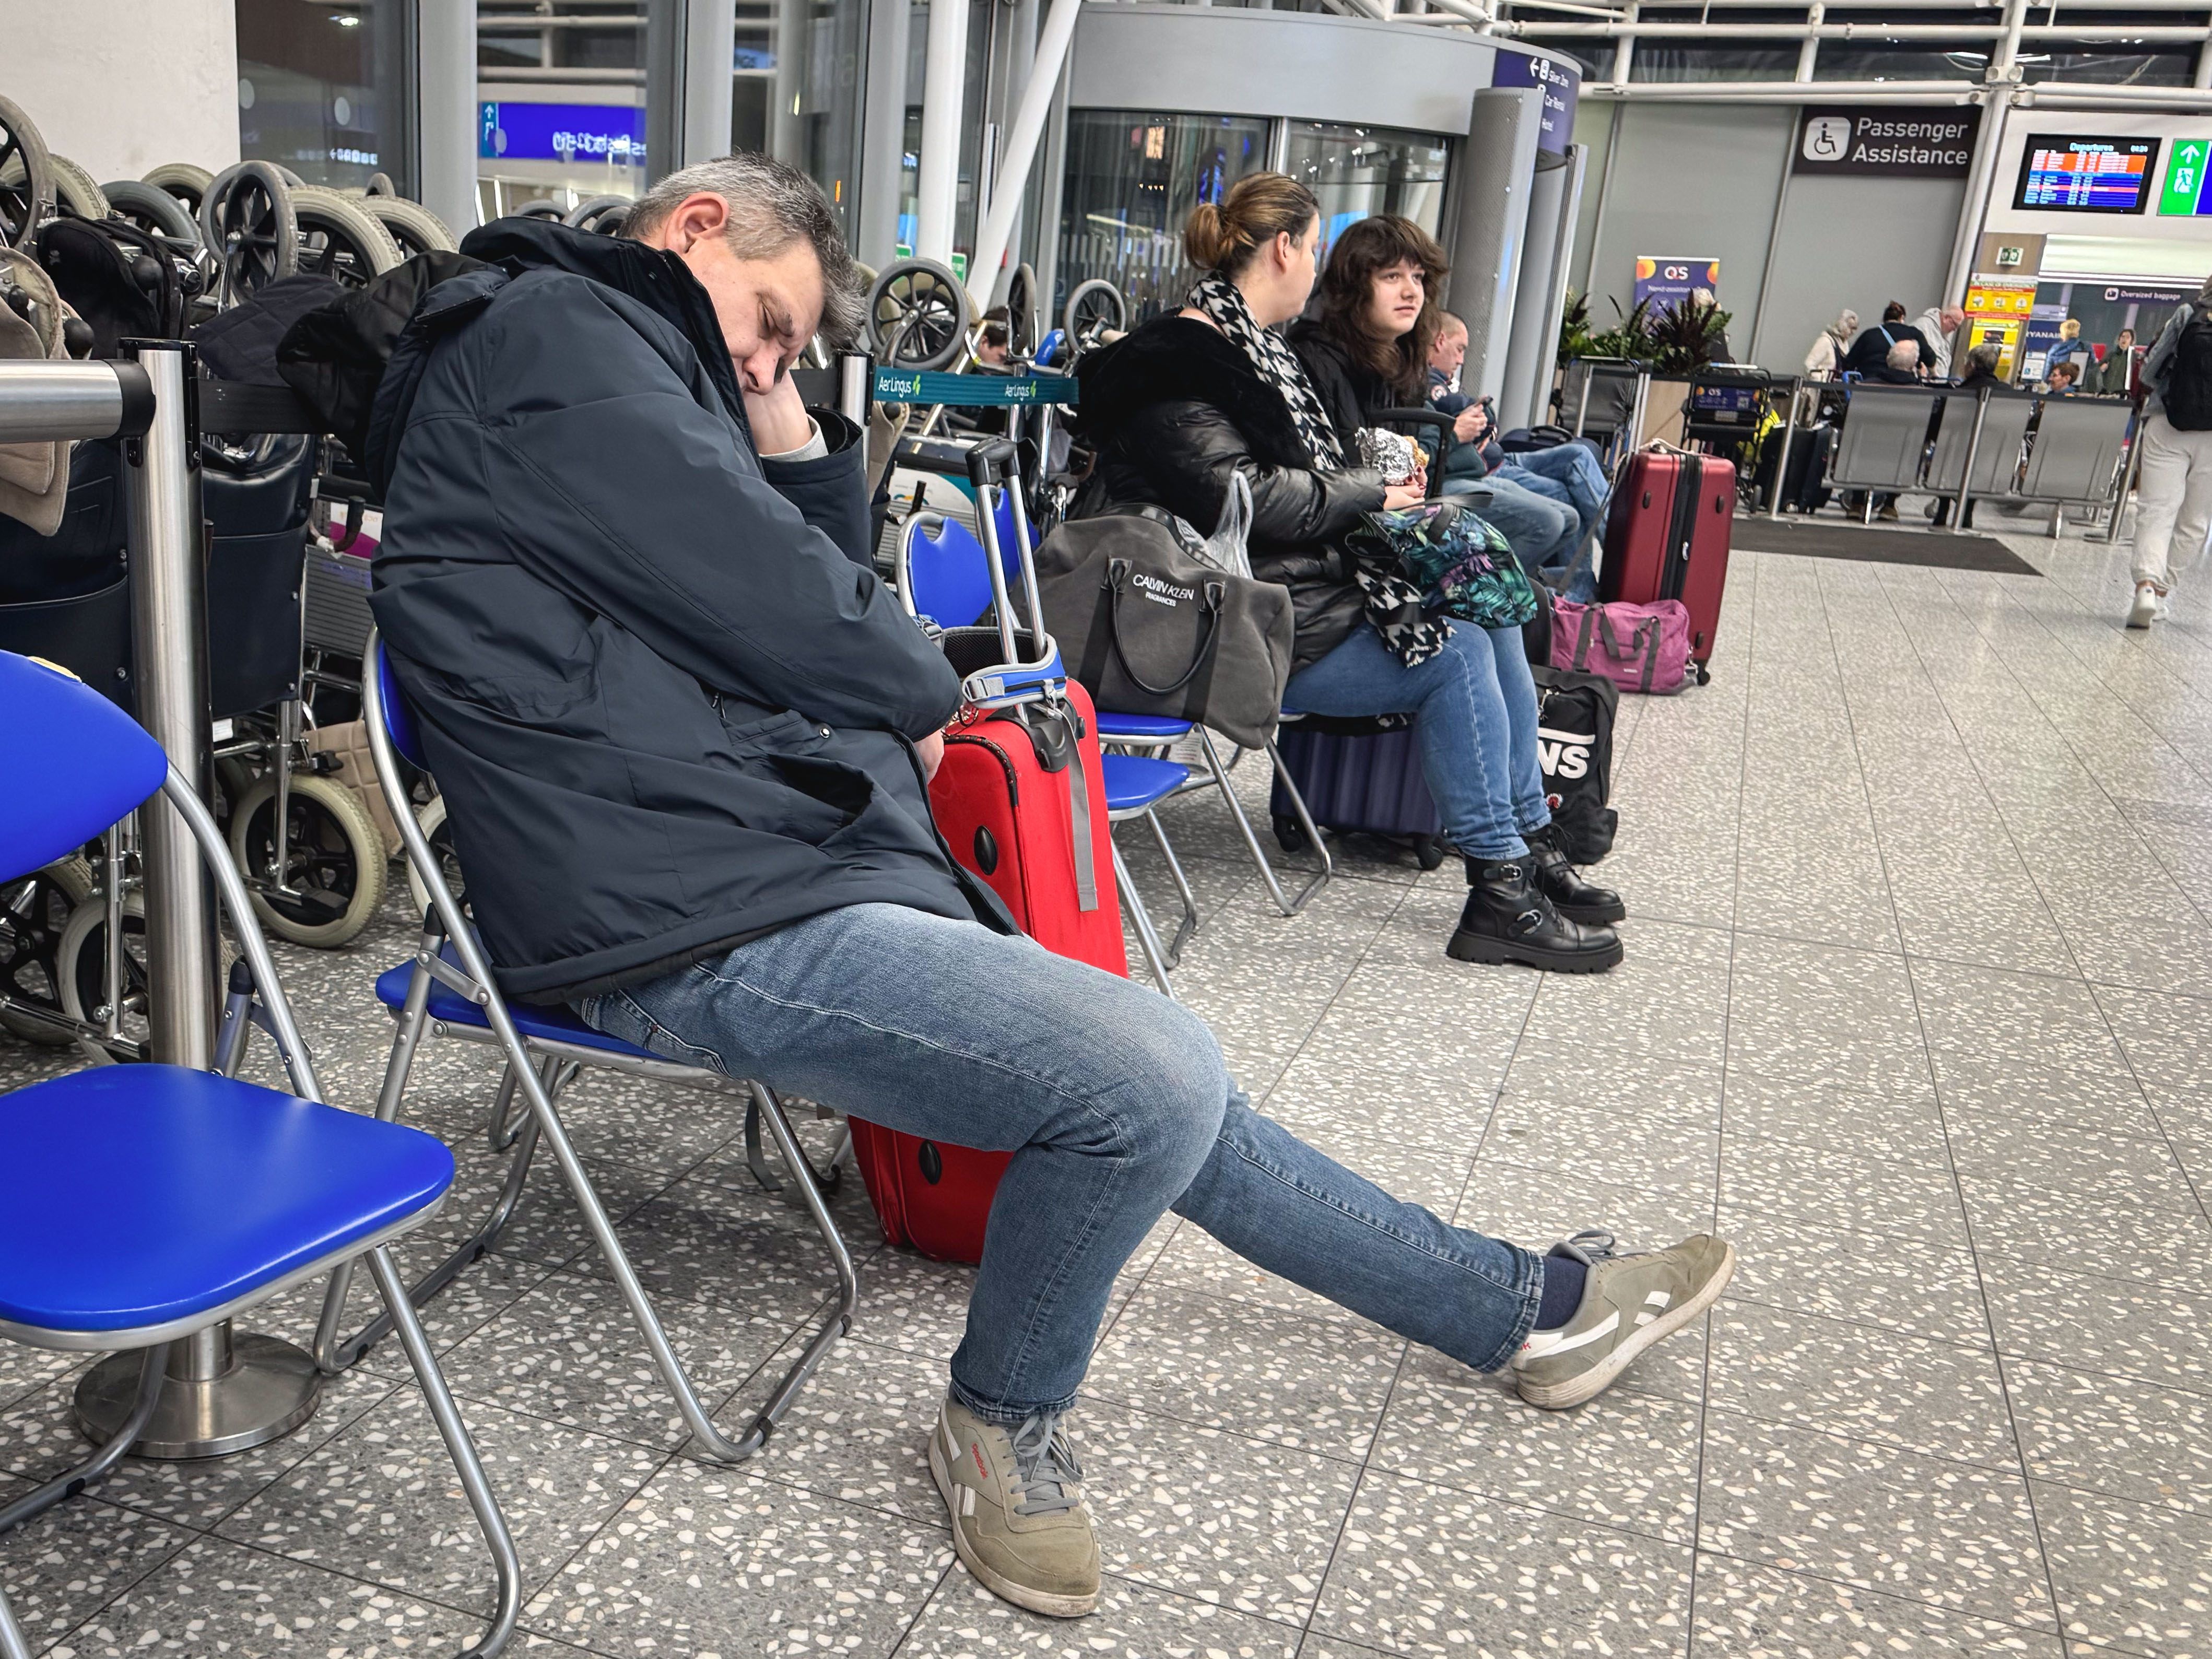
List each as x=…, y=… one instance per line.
x=945, y=70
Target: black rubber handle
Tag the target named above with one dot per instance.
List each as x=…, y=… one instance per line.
x=992, y=463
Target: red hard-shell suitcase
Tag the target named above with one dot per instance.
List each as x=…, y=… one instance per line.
x=1667, y=537
x=1004, y=802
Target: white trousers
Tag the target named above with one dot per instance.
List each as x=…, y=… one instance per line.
x=2173, y=501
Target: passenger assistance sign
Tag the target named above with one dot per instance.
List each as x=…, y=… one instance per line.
x=1887, y=141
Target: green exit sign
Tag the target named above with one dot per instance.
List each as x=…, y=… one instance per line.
x=2185, y=177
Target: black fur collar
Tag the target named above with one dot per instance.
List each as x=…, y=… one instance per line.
x=1178, y=359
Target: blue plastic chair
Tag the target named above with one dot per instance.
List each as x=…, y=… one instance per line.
x=147, y=1203
x=1156, y=732
x=447, y=989
x=938, y=566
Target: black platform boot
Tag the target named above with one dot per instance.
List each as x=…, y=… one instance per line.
x=1508, y=919
x=1561, y=882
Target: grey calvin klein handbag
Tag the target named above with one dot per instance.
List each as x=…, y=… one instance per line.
x=1150, y=630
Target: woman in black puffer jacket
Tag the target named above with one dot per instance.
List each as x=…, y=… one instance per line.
x=1186, y=402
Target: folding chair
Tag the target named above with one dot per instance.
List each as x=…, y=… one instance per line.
x=1157, y=733
x=447, y=990
x=943, y=572
x=147, y=1204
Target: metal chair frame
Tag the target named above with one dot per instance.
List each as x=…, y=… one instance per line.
x=537, y=1068
x=1885, y=441
x=259, y=999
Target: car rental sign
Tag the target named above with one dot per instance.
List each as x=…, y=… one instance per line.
x=1887, y=141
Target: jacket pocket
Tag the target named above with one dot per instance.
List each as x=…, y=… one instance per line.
x=753, y=734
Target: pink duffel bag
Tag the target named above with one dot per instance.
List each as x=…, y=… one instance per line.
x=1639, y=647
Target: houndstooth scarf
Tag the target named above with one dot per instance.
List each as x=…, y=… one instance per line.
x=1394, y=605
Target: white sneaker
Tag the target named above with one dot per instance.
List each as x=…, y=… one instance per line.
x=2159, y=610
x=2149, y=605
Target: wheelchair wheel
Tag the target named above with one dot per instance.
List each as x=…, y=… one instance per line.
x=341, y=238
x=34, y=910
x=412, y=226
x=183, y=180
x=918, y=315
x=1094, y=309
x=433, y=820
x=80, y=965
x=540, y=208
x=24, y=203
x=335, y=859
x=153, y=208
x=76, y=190
x=1022, y=312
x=248, y=223
x=602, y=214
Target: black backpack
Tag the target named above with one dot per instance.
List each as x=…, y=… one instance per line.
x=1574, y=745
x=2188, y=389
x=128, y=283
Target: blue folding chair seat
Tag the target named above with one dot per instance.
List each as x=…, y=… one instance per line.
x=1136, y=782
x=1149, y=729
x=546, y=1022
x=147, y=1204
x=205, y=1191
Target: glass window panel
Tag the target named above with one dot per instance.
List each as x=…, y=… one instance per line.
x=1131, y=180
x=971, y=123
x=1666, y=60
x=323, y=88
x=801, y=68
x=1356, y=172
x=543, y=136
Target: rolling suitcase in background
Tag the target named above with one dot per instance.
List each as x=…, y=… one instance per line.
x=1667, y=537
x=1021, y=789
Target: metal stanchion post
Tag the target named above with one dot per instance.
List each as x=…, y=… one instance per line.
x=226, y=1392
x=2127, y=482
x=1966, y=471
x=856, y=372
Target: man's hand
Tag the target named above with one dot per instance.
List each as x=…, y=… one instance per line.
x=780, y=421
x=931, y=750
x=1471, y=424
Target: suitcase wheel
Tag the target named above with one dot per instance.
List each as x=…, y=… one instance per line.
x=1704, y=675
x=1429, y=850
x=1290, y=835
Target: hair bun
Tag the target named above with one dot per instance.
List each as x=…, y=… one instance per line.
x=1206, y=242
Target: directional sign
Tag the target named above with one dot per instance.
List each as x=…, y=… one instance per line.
x=2185, y=193
x=907, y=386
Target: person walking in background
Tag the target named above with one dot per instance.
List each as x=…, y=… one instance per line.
x=1831, y=345
x=1939, y=328
x=2173, y=489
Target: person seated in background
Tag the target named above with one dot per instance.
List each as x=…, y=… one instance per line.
x=1939, y=326
x=686, y=735
x=992, y=345
x=1981, y=363
x=1569, y=474
x=1869, y=352
x=1824, y=360
x=1191, y=397
x=1900, y=366
x=2062, y=379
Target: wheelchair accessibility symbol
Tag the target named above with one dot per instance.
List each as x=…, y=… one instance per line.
x=1827, y=138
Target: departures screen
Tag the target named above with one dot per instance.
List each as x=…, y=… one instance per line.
x=2086, y=175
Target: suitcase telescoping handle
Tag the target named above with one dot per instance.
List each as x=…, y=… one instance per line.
x=990, y=467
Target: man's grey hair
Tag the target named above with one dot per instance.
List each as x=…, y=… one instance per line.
x=1985, y=357
x=1906, y=354
x=772, y=205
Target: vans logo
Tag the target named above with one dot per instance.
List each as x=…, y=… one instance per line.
x=1564, y=754
x=1160, y=592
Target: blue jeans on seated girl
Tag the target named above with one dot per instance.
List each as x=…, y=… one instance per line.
x=1475, y=702
x=1117, y=1107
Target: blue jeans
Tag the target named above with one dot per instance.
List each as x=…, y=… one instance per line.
x=1543, y=532
x=1476, y=706
x=1117, y=1107
x=1567, y=473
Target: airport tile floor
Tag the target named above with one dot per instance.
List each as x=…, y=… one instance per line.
x=1917, y=1009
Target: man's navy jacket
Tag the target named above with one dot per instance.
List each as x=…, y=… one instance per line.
x=669, y=703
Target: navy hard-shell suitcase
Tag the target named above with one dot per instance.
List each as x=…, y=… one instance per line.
x=1357, y=776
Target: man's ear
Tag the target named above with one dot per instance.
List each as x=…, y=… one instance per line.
x=695, y=218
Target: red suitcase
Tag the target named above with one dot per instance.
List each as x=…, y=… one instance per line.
x=1667, y=537
x=1003, y=801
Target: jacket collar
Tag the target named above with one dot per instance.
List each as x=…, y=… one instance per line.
x=654, y=277
x=1175, y=359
